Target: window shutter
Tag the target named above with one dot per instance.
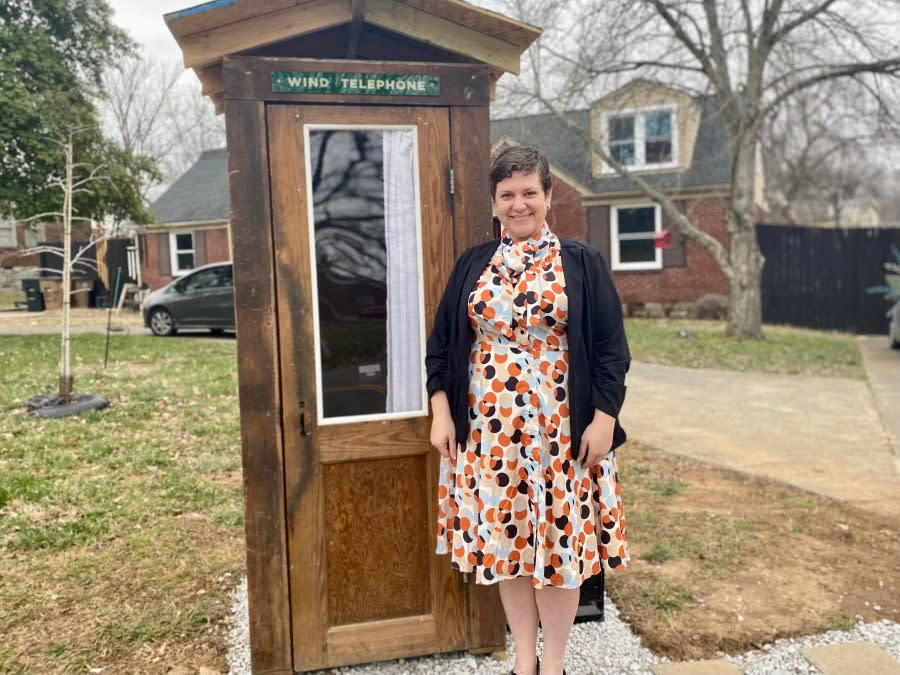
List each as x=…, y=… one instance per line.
x=200, y=248
x=674, y=256
x=598, y=230
x=165, y=262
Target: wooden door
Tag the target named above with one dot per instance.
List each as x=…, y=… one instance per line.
x=363, y=245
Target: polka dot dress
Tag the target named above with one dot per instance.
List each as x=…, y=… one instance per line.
x=516, y=502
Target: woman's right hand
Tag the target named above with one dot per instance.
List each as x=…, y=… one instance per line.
x=443, y=431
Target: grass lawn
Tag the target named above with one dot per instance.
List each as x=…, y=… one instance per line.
x=9, y=298
x=121, y=531
x=785, y=350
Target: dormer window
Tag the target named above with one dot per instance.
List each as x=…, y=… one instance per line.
x=642, y=138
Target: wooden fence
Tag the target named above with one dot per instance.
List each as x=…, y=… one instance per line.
x=817, y=277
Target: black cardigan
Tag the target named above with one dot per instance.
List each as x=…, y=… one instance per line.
x=598, y=350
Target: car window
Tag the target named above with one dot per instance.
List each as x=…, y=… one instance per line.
x=227, y=275
x=203, y=279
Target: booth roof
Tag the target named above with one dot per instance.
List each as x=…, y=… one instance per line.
x=209, y=32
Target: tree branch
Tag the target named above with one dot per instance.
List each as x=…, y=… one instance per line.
x=676, y=217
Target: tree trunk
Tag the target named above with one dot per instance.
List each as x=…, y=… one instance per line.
x=65, y=359
x=745, y=306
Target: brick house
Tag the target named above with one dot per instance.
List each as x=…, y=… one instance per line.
x=676, y=143
x=192, y=225
x=16, y=262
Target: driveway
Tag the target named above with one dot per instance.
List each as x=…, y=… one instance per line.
x=831, y=436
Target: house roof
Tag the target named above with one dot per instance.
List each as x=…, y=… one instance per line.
x=566, y=143
x=199, y=195
x=211, y=31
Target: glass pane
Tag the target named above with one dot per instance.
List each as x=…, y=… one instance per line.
x=656, y=152
x=623, y=153
x=185, y=261
x=203, y=279
x=184, y=242
x=636, y=250
x=621, y=128
x=357, y=204
x=658, y=124
x=639, y=219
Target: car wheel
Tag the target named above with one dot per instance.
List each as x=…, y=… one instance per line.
x=161, y=322
x=895, y=344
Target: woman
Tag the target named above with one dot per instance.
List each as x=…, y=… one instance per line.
x=526, y=366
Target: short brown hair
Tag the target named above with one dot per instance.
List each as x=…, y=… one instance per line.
x=520, y=159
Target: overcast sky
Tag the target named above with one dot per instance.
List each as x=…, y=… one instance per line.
x=143, y=19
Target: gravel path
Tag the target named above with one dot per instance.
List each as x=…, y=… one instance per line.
x=606, y=648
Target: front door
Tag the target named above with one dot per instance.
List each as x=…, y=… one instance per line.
x=364, y=243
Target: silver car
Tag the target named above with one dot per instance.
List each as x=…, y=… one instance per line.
x=201, y=299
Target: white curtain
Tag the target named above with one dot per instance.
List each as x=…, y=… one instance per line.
x=404, y=361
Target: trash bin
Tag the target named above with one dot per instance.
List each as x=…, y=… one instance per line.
x=81, y=292
x=52, y=290
x=33, y=295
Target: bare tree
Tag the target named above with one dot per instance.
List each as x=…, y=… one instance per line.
x=155, y=109
x=821, y=148
x=752, y=57
x=75, y=180
x=139, y=92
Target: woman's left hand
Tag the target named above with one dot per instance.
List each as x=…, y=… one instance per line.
x=596, y=441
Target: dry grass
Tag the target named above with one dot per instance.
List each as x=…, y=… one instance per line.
x=81, y=318
x=121, y=530
x=723, y=561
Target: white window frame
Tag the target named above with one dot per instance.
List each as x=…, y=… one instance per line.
x=8, y=237
x=174, y=251
x=311, y=221
x=614, y=238
x=640, y=143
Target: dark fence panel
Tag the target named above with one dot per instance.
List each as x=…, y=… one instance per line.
x=120, y=255
x=52, y=260
x=817, y=277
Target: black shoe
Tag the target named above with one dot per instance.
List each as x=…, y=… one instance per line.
x=537, y=670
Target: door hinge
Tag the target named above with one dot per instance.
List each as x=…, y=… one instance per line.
x=452, y=182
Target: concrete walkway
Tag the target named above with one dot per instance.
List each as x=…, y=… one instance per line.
x=831, y=436
x=852, y=658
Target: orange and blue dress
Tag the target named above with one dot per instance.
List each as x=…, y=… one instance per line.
x=516, y=502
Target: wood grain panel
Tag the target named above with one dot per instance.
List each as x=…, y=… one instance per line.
x=211, y=79
x=390, y=438
x=380, y=640
x=377, y=551
x=304, y=495
x=470, y=139
x=249, y=77
x=201, y=49
x=436, y=30
x=260, y=401
x=189, y=21
x=481, y=20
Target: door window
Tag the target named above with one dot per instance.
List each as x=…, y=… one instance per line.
x=365, y=223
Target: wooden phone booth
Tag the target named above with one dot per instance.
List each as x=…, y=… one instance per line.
x=358, y=155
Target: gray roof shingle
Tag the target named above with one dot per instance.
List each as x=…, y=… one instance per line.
x=566, y=143
x=200, y=194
